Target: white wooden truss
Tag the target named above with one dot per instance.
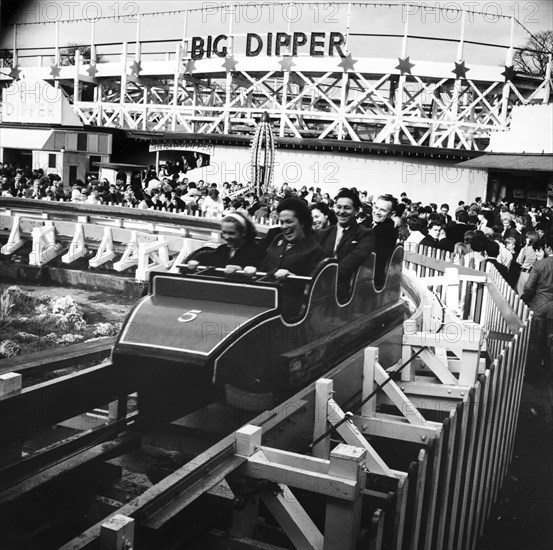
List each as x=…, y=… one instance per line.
x=455, y=104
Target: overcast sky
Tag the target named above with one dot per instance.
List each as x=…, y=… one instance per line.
x=36, y=27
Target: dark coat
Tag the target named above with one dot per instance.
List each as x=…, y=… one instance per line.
x=455, y=232
x=354, y=248
x=300, y=258
x=386, y=235
x=177, y=206
x=112, y=198
x=270, y=236
x=442, y=244
x=429, y=241
x=250, y=254
x=538, y=290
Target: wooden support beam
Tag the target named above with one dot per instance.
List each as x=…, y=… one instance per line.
x=15, y=240
x=23, y=413
x=248, y=440
x=293, y=519
x=73, y=465
x=105, y=252
x=323, y=393
x=10, y=383
x=197, y=486
x=343, y=519
x=452, y=337
x=408, y=372
x=52, y=359
x=260, y=467
x=438, y=368
x=45, y=247
x=245, y=517
x=77, y=248
x=395, y=427
x=425, y=387
x=117, y=533
x=400, y=510
x=352, y=436
x=401, y=401
x=370, y=359
x=451, y=276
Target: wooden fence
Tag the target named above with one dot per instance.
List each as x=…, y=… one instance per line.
x=421, y=461
x=480, y=427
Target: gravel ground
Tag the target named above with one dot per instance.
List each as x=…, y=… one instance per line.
x=100, y=307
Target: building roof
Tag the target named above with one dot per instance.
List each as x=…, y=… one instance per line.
x=314, y=144
x=118, y=165
x=499, y=161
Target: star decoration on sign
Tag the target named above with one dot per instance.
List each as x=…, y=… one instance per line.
x=190, y=66
x=347, y=63
x=460, y=70
x=509, y=73
x=55, y=70
x=230, y=64
x=286, y=63
x=405, y=65
x=92, y=70
x=15, y=72
x=136, y=68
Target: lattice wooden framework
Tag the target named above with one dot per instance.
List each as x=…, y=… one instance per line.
x=417, y=103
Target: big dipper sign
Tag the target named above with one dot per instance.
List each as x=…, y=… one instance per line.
x=280, y=43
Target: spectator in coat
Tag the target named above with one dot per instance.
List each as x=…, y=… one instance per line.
x=538, y=294
x=386, y=234
x=347, y=241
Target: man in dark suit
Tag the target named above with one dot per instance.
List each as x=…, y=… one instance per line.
x=386, y=235
x=350, y=243
x=431, y=240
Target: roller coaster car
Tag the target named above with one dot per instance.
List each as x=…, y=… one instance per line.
x=207, y=333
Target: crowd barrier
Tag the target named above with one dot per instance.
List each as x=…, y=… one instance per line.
x=118, y=238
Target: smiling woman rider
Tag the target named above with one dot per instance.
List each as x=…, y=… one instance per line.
x=295, y=250
x=323, y=216
x=238, y=233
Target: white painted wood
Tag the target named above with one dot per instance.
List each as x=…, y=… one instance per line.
x=293, y=519
x=395, y=427
x=15, y=240
x=77, y=248
x=400, y=400
x=45, y=247
x=130, y=256
x=260, y=467
x=105, y=252
x=324, y=389
x=352, y=436
x=248, y=440
x=10, y=382
x=117, y=533
x=343, y=519
x=370, y=360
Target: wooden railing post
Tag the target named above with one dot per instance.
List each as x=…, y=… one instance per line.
x=343, y=518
